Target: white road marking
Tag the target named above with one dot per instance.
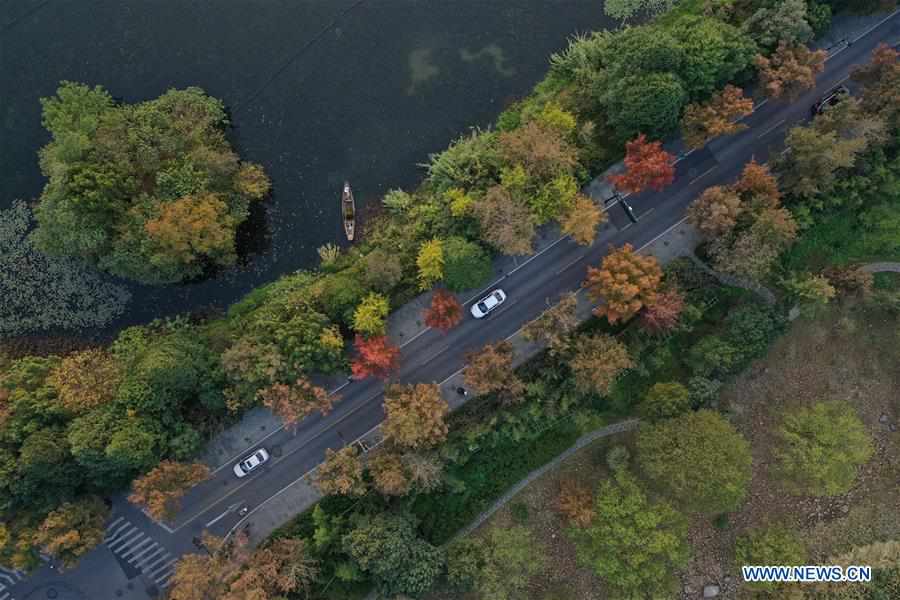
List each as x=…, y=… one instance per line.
x=704, y=174
x=771, y=129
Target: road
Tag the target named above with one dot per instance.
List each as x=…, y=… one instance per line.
x=135, y=541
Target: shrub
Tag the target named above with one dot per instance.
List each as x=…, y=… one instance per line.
x=773, y=545
x=665, y=400
x=618, y=458
x=466, y=264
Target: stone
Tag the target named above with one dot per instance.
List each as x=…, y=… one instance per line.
x=883, y=418
x=893, y=427
x=710, y=591
x=793, y=313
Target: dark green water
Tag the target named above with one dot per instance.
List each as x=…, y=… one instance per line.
x=319, y=91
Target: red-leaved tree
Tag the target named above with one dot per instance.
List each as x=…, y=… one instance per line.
x=445, y=311
x=664, y=313
x=646, y=165
x=376, y=356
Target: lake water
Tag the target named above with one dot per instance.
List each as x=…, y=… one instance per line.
x=319, y=92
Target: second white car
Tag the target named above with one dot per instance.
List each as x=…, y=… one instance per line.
x=483, y=307
x=251, y=462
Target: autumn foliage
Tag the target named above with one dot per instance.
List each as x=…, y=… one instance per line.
x=581, y=221
x=445, y=311
x=160, y=490
x=490, y=370
x=790, y=71
x=880, y=79
x=283, y=566
x=575, y=502
x=389, y=474
x=716, y=211
x=85, y=380
x=293, y=403
x=194, y=227
x=646, y=165
x=718, y=117
x=625, y=282
x=376, y=357
x=415, y=415
x=341, y=473
x=597, y=361
x=554, y=324
x=664, y=313
x=73, y=529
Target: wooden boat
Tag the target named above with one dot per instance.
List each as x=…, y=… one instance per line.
x=348, y=210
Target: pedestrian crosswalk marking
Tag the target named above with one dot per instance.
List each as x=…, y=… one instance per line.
x=9, y=578
x=138, y=549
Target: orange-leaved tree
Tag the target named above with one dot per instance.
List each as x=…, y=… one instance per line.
x=376, y=356
x=717, y=117
x=554, y=324
x=160, y=490
x=490, y=370
x=597, y=361
x=790, y=71
x=715, y=212
x=880, y=79
x=646, y=165
x=415, y=415
x=85, y=380
x=72, y=529
x=192, y=228
x=389, y=473
x=293, y=403
x=576, y=502
x=581, y=221
x=445, y=311
x=625, y=282
x=281, y=567
x=663, y=315
x=341, y=473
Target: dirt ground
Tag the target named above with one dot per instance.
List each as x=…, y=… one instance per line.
x=849, y=353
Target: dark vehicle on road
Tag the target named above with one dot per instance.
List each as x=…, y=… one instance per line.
x=830, y=99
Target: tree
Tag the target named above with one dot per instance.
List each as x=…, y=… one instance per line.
x=813, y=158
x=597, y=361
x=758, y=187
x=813, y=291
x=821, y=447
x=293, y=403
x=880, y=79
x=582, y=220
x=371, y=314
x=431, y=263
x=576, y=503
x=389, y=474
x=160, y=490
x=376, y=357
x=790, y=71
x=665, y=400
x=85, y=380
x=625, y=282
x=632, y=544
x=205, y=577
x=715, y=212
x=465, y=560
x=625, y=10
x=753, y=252
x=505, y=223
x=646, y=165
x=387, y=547
x=466, y=264
x=699, y=459
x=850, y=279
x=73, y=529
x=191, y=229
x=510, y=560
x=553, y=326
x=415, y=415
x=665, y=312
x=150, y=191
x=786, y=22
x=445, y=311
x=382, y=270
x=649, y=103
x=341, y=473
x=540, y=149
x=771, y=545
x=490, y=371
x=717, y=117
x=282, y=566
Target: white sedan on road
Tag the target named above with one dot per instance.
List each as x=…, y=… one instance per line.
x=487, y=304
x=251, y=462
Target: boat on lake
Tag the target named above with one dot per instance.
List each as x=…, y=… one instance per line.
x=348, y=210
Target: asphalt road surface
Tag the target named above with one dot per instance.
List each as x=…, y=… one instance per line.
x=139, y=544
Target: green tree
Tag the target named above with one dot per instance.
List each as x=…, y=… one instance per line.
x=772, y=545
x=625, y=10
x=431, y=263
x=665, y=400
x=388, y=548
x=466, y=264
x=821, y=448
x=646, y=104
x=786, y=22
x=699, y=459
x=465, y=560
x=45, y=472
x=632, y=544
x=382, y=270
x=510, y=560
x=812, y=160
x=371, y=315
x=150, y=191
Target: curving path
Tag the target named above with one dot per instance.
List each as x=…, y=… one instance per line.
x=882, y=267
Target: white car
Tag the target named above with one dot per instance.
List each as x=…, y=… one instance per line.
x=484, y=306
x=251, y=462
